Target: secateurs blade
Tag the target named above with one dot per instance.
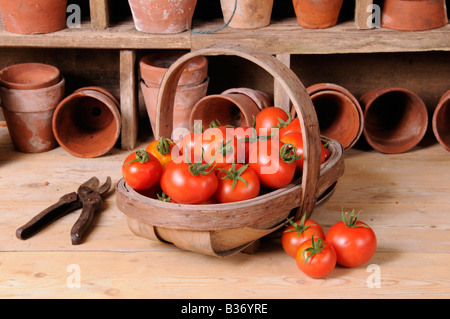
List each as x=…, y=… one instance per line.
x=88, y=197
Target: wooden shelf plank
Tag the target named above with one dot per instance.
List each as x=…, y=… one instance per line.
x=279, y=37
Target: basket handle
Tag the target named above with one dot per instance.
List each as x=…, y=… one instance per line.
x=290, y=83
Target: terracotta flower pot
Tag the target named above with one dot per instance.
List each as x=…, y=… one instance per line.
x=339, y=113
x=234, y=109
x=87, y=123
x=249, y=14
x=441, y=121
x=29, y=76
x=185, y=99
x=154, y=66
x=33, y=16
x=28, y=114
x=414, y=15
x=395, y=119
x=162, y=16
x=317, y=14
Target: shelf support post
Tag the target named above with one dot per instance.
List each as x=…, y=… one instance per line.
x=280, y=97
x=128, y=99
x=99, y=14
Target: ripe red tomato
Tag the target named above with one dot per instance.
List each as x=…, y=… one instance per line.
x=316, y=258
x=296, y=139
x=189, y=149
x=269, y=118
x=273, y=161
x=354, y=241
x=188, y=183
x=141, y=170
x=161, y=149
x=237, y=182
x=298, y=232
x=291, y=125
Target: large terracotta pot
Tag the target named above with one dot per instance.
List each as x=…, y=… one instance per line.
x=414, y=15
x=441, y=121
x=162, y=16
x=87, y=123
x=395, y=119
x=317, y=14
x=29, y=76
x=28, y=115
x=339, y=113
x=249, y=14
x=33, y=16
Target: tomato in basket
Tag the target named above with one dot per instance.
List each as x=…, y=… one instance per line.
x=141, y=170
x=237, y=182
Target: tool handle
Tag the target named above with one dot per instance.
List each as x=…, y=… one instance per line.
x=65, y=205
x=91, y=204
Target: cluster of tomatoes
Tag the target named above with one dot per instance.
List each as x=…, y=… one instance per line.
x=221, y=164
x=349, y=243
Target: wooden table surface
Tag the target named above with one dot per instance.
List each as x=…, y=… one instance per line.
x=404, y=197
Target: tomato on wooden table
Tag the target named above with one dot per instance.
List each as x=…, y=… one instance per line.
x=354, y=241
x=298, y=232
x=188, y=183
x=141, y=170
x=316, y=258
x=237, y=182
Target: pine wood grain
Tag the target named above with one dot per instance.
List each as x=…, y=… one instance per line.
x=403, y=197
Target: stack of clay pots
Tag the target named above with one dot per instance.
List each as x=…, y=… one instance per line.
x=30, y=93
x=192, y=86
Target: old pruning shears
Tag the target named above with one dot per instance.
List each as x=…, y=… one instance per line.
x=88, y=197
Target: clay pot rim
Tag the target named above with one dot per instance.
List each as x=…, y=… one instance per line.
x=30, y=86
x=180, y=88
x=261, y=98
x=105, y=99
x=158, y=72
x=61, y=84
x=229, y=97
x=101, y=90
x=369, y=97
x=444, y=103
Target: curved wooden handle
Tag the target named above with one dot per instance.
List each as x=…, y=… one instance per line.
x=290, y=83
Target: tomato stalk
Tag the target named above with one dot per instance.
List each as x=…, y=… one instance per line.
x=163, y=146
x=350, y=221
x=163, y=197
x=288, y=153
x=299, y=228
x=316, y=247
x=234, y=174
x=282, y=123
x=198, y=168
x=141, y=156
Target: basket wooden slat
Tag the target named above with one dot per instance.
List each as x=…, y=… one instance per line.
x=223, y=229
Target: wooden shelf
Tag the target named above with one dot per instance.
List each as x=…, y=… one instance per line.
x=283, y=36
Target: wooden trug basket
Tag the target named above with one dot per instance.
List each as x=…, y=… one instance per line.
x=224, y=229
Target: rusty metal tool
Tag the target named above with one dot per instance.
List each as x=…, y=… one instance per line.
x=88, y=197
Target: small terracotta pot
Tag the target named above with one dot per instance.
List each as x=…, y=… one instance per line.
x=87, y=123
x=29, y=76
x=185, y=99
x=162, y=16
x=249, y=14
x=395, y=119
x=33, y=16
x=28, y=115
x=317, y=14
x=414, y=15
x=154, y=66
x=441, y=121
x=339, y=113
x=234, y=109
